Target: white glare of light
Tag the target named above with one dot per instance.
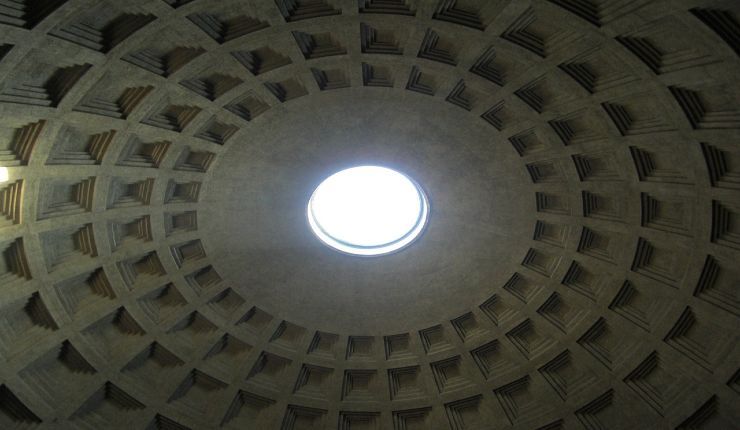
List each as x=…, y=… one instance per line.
x=4, y=176
x=367, y=210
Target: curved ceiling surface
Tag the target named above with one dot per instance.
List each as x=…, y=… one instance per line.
x=265, y=248
x=578, y=269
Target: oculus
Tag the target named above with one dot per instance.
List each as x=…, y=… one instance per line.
x=368, y=211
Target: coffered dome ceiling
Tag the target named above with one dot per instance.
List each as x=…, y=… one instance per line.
x=579, y=268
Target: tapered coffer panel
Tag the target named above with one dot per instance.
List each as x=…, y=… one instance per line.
x=163, y=59
x=102, y=28
x=46, y=89
x=212, y=86
x=330, y=79
x=261, y=60
x=400, y=7
x=15, y=261
x=300, y=10
x=226, y=26
x=19, y=141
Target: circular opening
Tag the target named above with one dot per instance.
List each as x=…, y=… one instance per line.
x=368, y=210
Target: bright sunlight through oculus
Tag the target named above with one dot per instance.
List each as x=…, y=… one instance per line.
x=368, y=210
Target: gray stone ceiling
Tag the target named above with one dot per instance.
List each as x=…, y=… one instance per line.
x=579, y=270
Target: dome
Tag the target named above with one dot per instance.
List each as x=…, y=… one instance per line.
x=577, y=176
